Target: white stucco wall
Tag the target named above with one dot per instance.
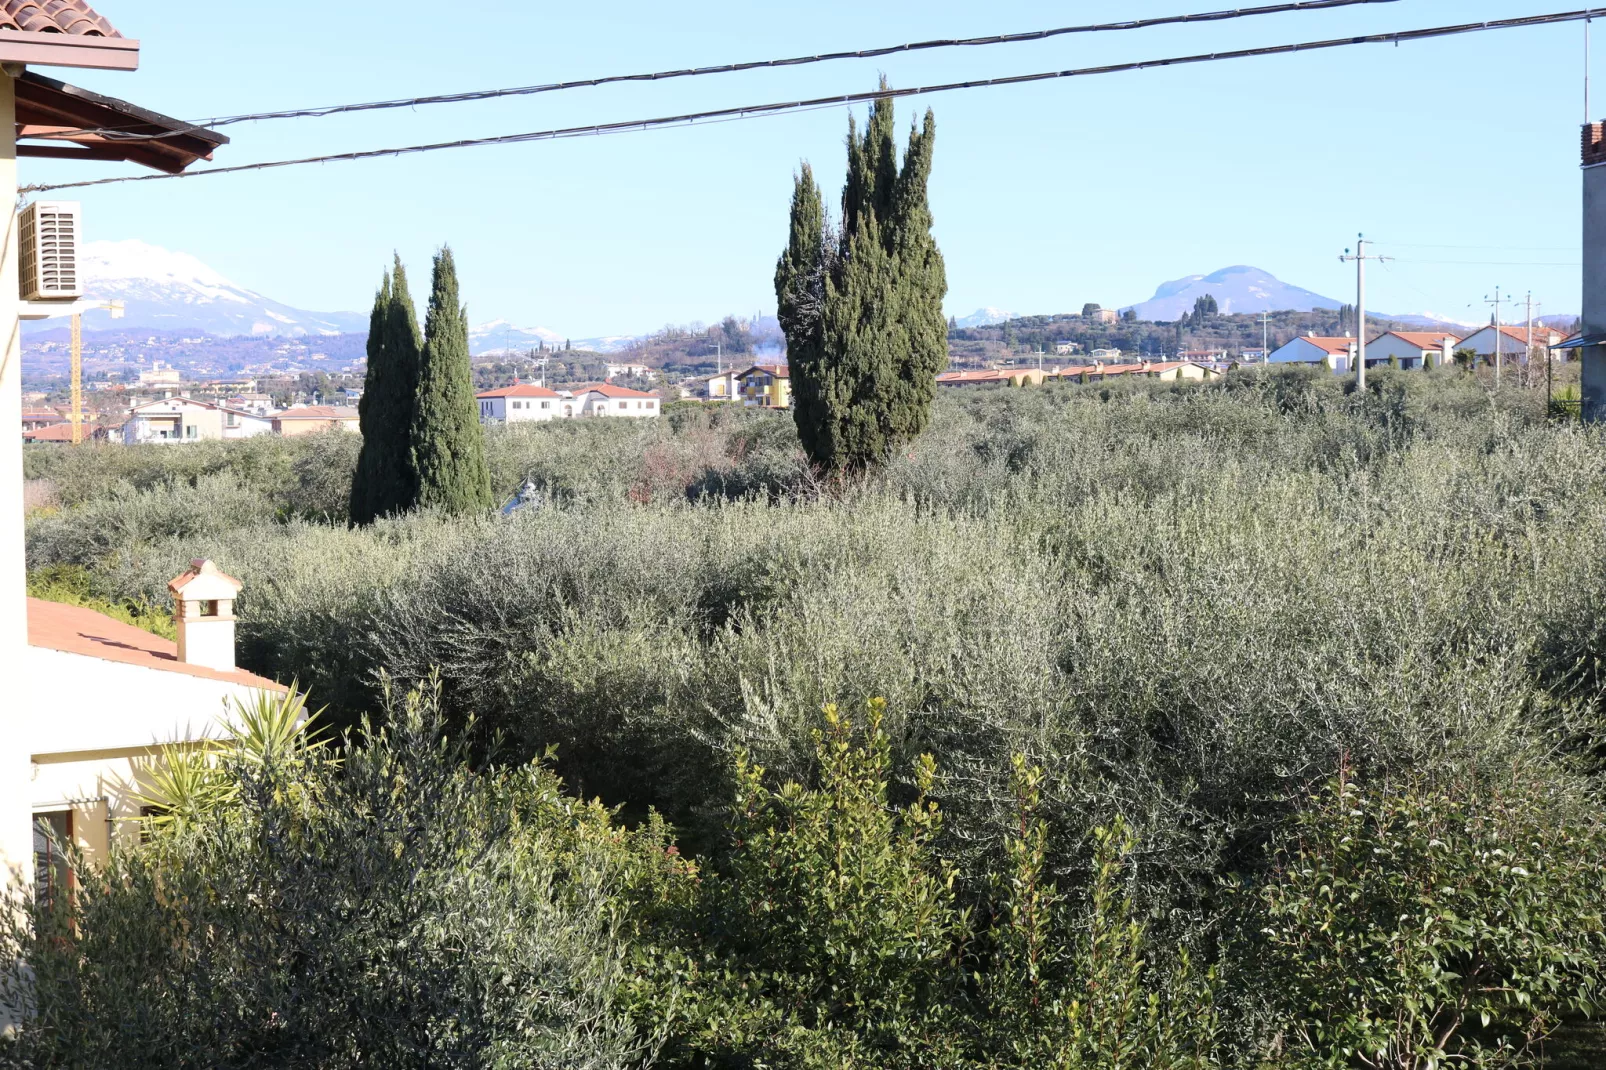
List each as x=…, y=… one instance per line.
x=16, y=822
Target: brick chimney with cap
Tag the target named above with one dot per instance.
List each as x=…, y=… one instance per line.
x=203, y=607
x=1592, y=358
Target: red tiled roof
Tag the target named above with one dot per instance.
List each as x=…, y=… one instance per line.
x=985, y=375
x=76, y=630
x=1425, y=339
x=608, y=390
x=1541, y=334
x=54, y=16
x=1336, y=346
x=317, y=412
x=519, y=390
x=61, y=432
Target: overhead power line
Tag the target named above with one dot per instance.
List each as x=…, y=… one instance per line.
x=758, y=110
x=731, y=68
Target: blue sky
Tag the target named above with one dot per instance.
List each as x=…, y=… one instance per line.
x=1046, y=196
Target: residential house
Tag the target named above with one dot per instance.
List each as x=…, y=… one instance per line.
x=241, y=423
x=766, y=386
x=253, y=402
x=1106, y=354
x=605, y=399
x=521, y=403
x=55, y=699
x=157, y=375
x=178, y=419
x=628, y=371
x=1411, y=349
x=1334, y=353
x=310, y=419
x=61, y=434
x=1065, y=349
x=34, y=419
x=1103, y=315
x=117, y=694
x=1513, y=342
x=981, y=377
x=721, y=387
x=1168, y=371
x=1203, y=355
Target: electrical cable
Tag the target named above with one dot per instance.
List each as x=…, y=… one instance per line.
x=757, y=110
x=123, y=133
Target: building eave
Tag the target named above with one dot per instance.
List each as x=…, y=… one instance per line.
x=43, y=49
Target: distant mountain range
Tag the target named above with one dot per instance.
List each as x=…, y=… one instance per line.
x=1236, y=289
x=985, y=317
x=164, y=290
x=169, y=291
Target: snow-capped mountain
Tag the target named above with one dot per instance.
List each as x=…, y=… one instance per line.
x=167, y=290
x=985, y=317
x=1236, y=289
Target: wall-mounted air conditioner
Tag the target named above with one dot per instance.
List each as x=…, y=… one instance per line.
x=49, y=267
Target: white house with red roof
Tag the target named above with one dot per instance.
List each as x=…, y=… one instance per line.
x=1412, y=349
x=117, y=694
x=521, y=403
x=1335, y=353
x=1514, y=342
x=605, y=399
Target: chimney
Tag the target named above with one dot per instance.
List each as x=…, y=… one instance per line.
x=203, y=608
x=1449, y=352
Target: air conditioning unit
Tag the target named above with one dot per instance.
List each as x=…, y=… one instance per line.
x=49, y=268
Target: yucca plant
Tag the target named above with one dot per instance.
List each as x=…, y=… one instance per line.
x=187, y=783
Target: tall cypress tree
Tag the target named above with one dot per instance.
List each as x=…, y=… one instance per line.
x=800, y=308
x=448, y=446
x=385, y=482
x=867, y=340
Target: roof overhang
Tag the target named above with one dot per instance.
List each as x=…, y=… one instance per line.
x=69, y=50
x=76, y=124
x=1582, y=341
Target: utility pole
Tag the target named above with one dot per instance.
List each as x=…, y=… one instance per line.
x=1499, y=357
x=1265, y=349
x=1360, y=259
x=1528, y=354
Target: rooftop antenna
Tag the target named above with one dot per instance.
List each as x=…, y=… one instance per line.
x=1587, y=112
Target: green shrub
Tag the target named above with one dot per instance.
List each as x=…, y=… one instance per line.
x=394, y=909
x=1435, y=920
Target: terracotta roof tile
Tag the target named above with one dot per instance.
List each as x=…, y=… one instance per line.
x=1424, y=339
x=317, y=412
x=76, y=630
x=54, y=16
x=608, y=390
x=519, y=390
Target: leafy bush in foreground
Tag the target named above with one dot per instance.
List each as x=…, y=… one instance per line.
x=1434, y=921
x=396, y=910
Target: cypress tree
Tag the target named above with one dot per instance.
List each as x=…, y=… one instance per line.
x=864, y=365
x=448, y=446
x=800, y=308
x=385, y=482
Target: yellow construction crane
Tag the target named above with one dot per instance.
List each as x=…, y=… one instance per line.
x=76, y=417
x=77, y=378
